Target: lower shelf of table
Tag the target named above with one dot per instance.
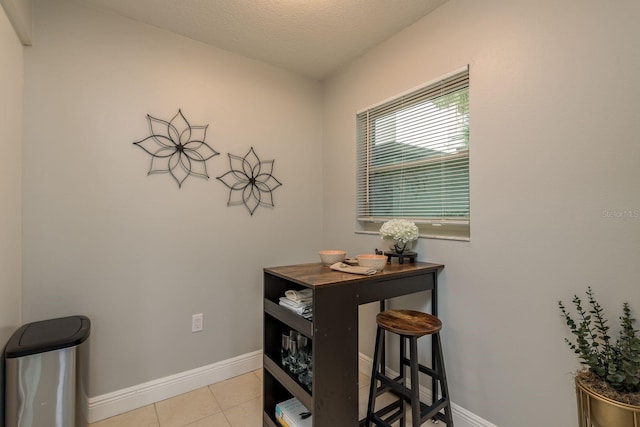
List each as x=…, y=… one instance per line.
x=288, y=382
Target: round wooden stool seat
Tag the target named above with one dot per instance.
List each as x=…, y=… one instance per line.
x=409, y=322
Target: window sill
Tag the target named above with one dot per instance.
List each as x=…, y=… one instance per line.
x=423, y=236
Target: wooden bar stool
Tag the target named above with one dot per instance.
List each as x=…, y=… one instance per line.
x=409, y=325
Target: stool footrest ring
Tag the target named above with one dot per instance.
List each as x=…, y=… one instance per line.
x=424, y=369
x=378, y=419
x=427, y=412
x=395, y=387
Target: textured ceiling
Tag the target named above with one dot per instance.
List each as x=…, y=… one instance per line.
x=310, y=37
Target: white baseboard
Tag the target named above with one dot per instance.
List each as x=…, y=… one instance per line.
x=128, y=399
x=120, y=401
x=461, y=417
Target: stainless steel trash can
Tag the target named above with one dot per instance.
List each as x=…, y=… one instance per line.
x=46, y=374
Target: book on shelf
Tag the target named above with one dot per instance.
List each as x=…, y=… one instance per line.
x=292, y=413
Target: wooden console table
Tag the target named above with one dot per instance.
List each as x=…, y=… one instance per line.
x=333, y=333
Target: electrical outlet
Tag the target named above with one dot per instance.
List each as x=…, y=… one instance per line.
x=197, y=322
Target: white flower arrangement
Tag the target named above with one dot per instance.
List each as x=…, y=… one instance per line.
x=400, y=230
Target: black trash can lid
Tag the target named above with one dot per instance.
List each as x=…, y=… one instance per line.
x=48, y=335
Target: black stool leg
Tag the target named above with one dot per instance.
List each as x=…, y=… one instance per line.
x=383, y=356
x=403, y=378
x=434, y=363
x=448, y=418
x=415, y=382
x=373, y=385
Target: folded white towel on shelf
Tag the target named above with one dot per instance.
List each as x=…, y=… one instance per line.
x=294, y=304
x=307, y=309
x=308, y=314
x=304, y=295
x=340, y=266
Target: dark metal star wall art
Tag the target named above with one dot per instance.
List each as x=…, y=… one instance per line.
x=250, y=181
x=178, y=148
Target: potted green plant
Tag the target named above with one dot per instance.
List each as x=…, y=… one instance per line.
x=608, y=391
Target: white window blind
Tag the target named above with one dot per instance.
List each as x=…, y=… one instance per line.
x=413, y=159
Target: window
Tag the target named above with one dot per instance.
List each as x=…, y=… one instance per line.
x=413, y=160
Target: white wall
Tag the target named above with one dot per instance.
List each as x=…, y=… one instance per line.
x=555, y=205
x=11, y=86
x=133, y=252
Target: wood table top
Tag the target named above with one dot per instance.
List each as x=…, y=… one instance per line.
x=316, y=274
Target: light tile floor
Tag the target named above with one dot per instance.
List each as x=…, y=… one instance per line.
x=236, y=402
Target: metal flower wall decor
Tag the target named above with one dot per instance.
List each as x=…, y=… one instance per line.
x=250, y=181
x=178, y=148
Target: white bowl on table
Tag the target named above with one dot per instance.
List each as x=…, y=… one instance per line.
x=330, y=257
x=374, y=261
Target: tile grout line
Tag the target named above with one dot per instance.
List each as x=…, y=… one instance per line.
x=155, y=410
x=206, y=416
